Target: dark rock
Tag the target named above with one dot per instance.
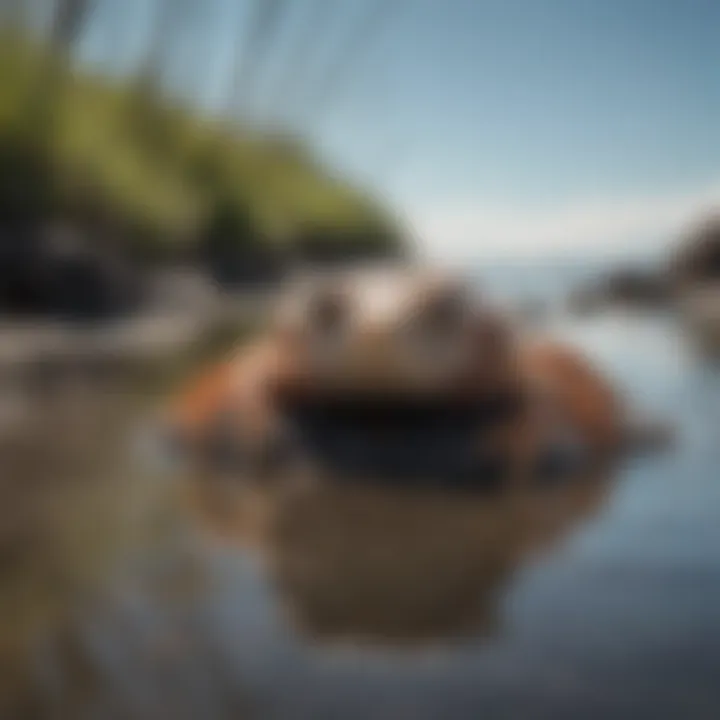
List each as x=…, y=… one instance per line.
x=637, y=287
x=57, y=273
x=628, y=287
x=697, y=259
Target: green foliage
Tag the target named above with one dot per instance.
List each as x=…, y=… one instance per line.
x=164, y=174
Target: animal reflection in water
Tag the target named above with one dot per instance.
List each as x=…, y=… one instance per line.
x=398, y=375
x=367, y=563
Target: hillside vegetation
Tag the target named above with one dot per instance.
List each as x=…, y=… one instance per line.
x=157, y=177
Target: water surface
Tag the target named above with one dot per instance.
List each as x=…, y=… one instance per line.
x=155, y=597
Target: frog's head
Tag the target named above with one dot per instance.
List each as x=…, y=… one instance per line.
x=395, y=332
x=392, y=363
x=383, y=371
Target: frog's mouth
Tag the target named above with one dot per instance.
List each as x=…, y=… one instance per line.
x=399, y=436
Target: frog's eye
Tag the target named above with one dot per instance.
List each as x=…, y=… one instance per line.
x=441, y=318
x=328, y=313
x=328, y=324
x=445, y=315
x=436, y=334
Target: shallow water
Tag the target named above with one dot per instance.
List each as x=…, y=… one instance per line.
x=164, y=597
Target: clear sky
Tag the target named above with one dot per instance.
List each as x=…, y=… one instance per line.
x=510, y=126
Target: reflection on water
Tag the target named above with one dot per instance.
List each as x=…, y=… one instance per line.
x=125, y=595
x=367, y=563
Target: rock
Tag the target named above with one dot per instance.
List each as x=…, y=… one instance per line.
x=697, y=259
x=699, y=312
x=625, y=287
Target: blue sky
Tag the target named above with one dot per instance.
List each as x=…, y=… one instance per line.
x=508, y=126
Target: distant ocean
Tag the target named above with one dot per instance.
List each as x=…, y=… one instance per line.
x=548, y=279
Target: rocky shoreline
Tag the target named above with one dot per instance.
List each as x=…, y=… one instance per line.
x=686, y=283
